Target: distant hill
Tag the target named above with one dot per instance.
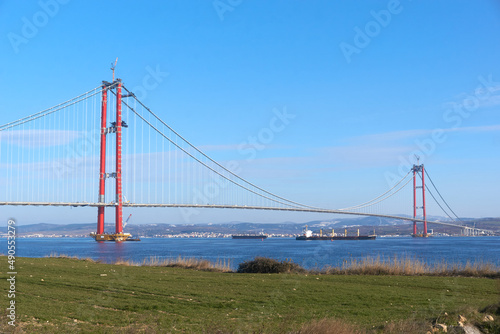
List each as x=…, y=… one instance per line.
x=35, y=228
x=365, y=224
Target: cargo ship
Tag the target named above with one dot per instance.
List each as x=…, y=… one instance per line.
x=308, y=235
x=347, y=237
x=249, y=236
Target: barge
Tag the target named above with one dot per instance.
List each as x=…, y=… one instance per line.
x=117, y=237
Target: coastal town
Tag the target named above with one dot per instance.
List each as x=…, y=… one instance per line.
x=284, y=230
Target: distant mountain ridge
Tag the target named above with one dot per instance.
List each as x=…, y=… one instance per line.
x=363, y=223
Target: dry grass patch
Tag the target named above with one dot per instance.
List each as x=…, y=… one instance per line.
x=63, y=256
x=127, y=263
x=410, y=266
x=74, y=257
x=179, y=262
x=408, y=326
x=371, y=265
x=330, y=326
x=189, y=263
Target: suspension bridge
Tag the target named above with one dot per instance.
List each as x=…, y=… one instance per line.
x=72, y=153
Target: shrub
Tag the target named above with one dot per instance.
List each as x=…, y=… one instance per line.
x=264, y=265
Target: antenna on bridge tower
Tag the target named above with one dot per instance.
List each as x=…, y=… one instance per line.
x=416, y=156
x=113, y=66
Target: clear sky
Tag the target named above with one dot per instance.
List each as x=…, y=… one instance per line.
x=369, y=84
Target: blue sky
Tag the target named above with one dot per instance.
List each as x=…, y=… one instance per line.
x=369, y=84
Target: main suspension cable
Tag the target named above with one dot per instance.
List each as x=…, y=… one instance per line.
x=215, y=162
x=201, y=162
x=56, y=107
x=440, y=194
x=383, y=199
x=365, y=204
x=430, y=192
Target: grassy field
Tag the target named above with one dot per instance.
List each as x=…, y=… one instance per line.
x=69, y=295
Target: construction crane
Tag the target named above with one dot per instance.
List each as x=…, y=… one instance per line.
x=113, y=68
x=125, y=224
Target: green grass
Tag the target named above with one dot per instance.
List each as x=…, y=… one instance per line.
x=69, y=295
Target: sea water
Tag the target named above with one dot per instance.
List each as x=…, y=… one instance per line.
x=310, y=254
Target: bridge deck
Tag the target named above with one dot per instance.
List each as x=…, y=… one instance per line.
x=215, y=206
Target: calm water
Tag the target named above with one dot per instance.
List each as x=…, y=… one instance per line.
x=309, y=254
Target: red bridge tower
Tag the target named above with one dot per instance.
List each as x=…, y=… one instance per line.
x=418, y=170
x=115, y=128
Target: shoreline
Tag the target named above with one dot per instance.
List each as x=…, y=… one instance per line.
x=369, y=265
